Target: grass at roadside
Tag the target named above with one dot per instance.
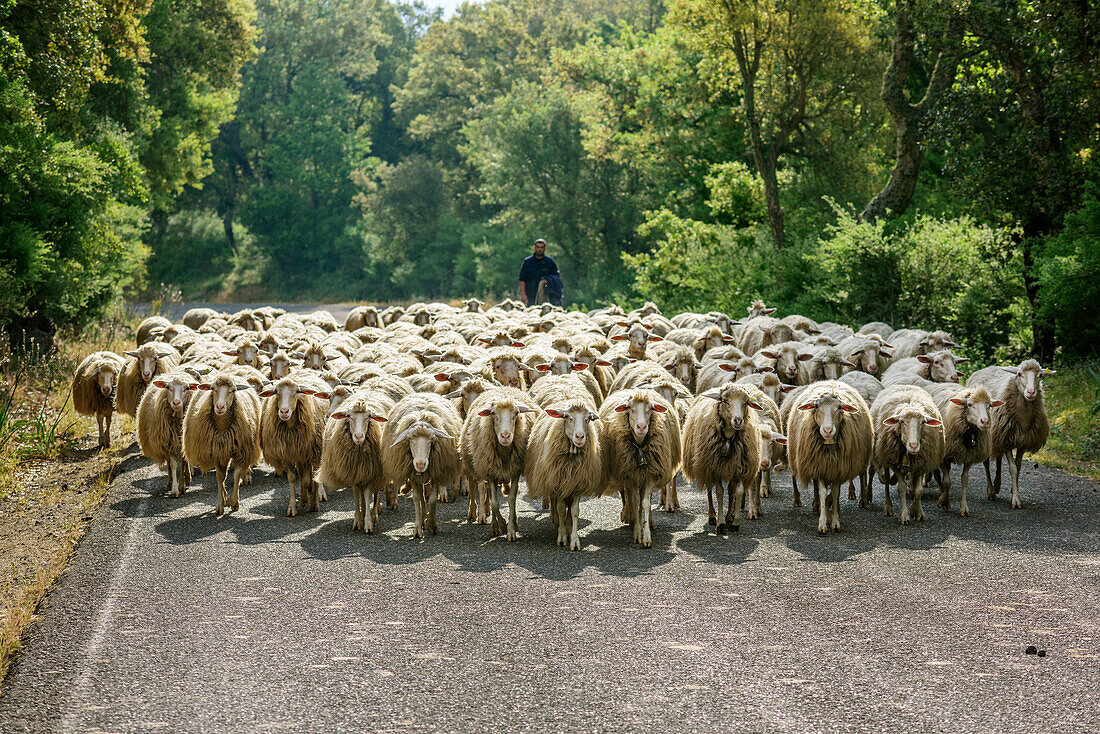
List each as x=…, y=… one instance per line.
x=1071, y=396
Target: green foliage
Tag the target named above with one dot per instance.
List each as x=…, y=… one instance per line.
x=934, y=273
x=1069, y=280
x=188, y=237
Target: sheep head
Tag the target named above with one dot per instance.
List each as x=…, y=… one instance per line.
x=505, y=413
x=733, y=401
x=357, y=418
x=577, y=416
x=908, y=425
x=147, y=356
x=177, y=387
x=639, y=409
x=828, y=414
x=420, y=436
x=224, y=389
x=942, y=365
x=1029, y=377
x=287, y=392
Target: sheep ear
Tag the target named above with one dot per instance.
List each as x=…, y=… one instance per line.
x=891, y=421
x=923, y=342
x=713, y=395
x=230, y=354
x=322, y=395
x=404, y=436
x=132, y=353
x=727, y=339
x=933, y=422
x=950, y=343
x=542, y=367
x=442, y=377
x=623, y=407
x=1011, y=370
x=603, y=363
x=726, y=367
x=924, y=358
x=238, y=388
x=524, y=409
x=160, y=383
x=554, y=413
x=659, y=408
x=339, y=415
x=960, y=360
x=805, y=357
x=769, y=355
x=485, y=413
x=996, y=403
x=769, y=311
x=846, y=363
x=847, y=408
x=440, y=433
x=453, y=395
x=578, y=366
x=788, y=388
x=812, y=331
x=591, y=417
x=268, y=392
x=483, y=340
x=957, y=401
x=765, y=369
x=807, y=406
x=163, y=355
x=779, y=439
x=205, y=386
x=754, y=405
x=306, y=391
x=655, y=338
x=380, y=418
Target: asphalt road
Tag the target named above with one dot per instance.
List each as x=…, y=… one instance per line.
x=170, y=619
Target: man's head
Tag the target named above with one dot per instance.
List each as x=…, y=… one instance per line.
x=540, y=247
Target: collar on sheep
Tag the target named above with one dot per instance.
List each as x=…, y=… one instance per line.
x=639, y=450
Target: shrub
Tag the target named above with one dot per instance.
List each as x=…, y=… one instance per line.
x=1068, y=270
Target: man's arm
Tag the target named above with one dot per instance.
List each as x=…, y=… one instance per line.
x=523, y=293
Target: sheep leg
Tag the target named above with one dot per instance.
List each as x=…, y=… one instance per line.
x=292, y=510
x=99, y=425
x=903, y=498
x=997, y=478
x=718, y=507
x=865, y=479
x=711, y=518
x=305, y=472
x=834, y=495
x=319, y=489
x=943, y=476
x=497, y=526
x=219, y=505
x=558, y=513
x=357, y=493
x=628, y=514
x=1015, y=468
x=391, y=496
x=964, y=511
x=174, y=478
x=483, y=491
x=852, y=489
x=107, y=430
x=433, y=501
x=235, y=497
x=512, y=523
x=822, y=501
x=766, y=487
x=754, y=498
x=471, y=510
x=418, y=501
x=918, y=490
x=365, y=511
x=737, y=497
x=574, y=517
x=374, y=511
x=645, y=510
x=889, y=507
x=797, y=498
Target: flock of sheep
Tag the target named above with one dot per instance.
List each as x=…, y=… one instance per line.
x=434, y=400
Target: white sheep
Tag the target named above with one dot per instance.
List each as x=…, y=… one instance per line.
x=351, y=454
x=936, y=366
x=908, y=444
x=93, y=390
x=966, y=418
x=292, y=423
x=160, y=426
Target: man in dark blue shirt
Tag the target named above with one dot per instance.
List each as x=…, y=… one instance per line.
x=535, y=269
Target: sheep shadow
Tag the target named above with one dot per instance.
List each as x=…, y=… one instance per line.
x=731, y=548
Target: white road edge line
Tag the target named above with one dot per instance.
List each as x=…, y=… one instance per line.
x=81, y=689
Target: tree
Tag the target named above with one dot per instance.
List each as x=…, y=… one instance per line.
x=789, y=62
x=911, y=119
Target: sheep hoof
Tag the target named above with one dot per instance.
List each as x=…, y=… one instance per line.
x=734, y=528
x=511, y=535
x=720, y=528
x=904, y=521
x=797, y=501
x=292, y=513
x=418, y=533
x=944, y=503
x=1016, y=505
x=575, y=545
x=711, y=521
x=356, y=525
x=670, y=508
x=822, y=530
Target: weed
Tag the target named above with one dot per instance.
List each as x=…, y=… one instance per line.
x=10, y=424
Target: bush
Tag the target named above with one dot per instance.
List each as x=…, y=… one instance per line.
x=1068, y=270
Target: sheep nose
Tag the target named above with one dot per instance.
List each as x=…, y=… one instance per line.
x=1029, y=394
x=147, y=376
x=982, y=423
x=738, y=422
x=954, y=378
x=505, y=438
x=872, y=369
x=912, y=448
x=765, y=464
x=420, y=465
x=284, y=413
x=358, y=437
x=827, y=431
x=219, y=409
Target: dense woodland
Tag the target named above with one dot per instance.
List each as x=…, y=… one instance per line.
x=919, y=162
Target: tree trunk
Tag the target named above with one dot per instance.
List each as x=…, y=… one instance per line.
x=766, y=164
x=896, y=196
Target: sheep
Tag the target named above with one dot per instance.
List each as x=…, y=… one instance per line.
x=160, y=426
x=829, y=439
x=908, y=442
x=769, y=384
x=196, y=317
x=504, y=365
x=772, y=441
x=351, y=454
x=785, y=359
x=868, y=386
x=598, y=367
x=717, y=374
x=221, y=428
x=825, y=363
x=721, y=443
x=642, y=445
x=94, y=389
x=493, y=446
x=681, y=362
x=292, y=424
x=728, y=353
x=869, y=353
x=145, y=363
x=150, y=329
x=563, y=364
x=1021, y=423
x=802, y=324
x=637, y=336
x=763, y=331
x=757, y=308
x=361, y=316
x=420, y=450
x=912, y=342
x=881, y=328
x=245, y=353
x=565, y=462
x=965, y=413
x=935, y=366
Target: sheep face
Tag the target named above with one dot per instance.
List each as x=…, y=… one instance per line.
x=147, y=357
x=733, y=401
x=576, y=424
x=562, y=365
x=640, y=411
x=245, y=353
x=771, y=442
x=314, y=358
x=287, y=394
x=742, y=367
x=831, y=363
x=419, y=437
x=786, y=359
x=1028, y=378
x=908, y=425
x=713, y=337
x=269, y=345
x=225, y=391
x=106, y=378
x=280, y=366
x=176, y=389
x=358, y=418
x=757, y=308
x=828, y=414
x=682, y=369
x=336, y=398
x=942, y=365
x=505, y=414
x=637, y=334
x=506, y=371
x=473, y=305
x=977, y=404
x=937, y=341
